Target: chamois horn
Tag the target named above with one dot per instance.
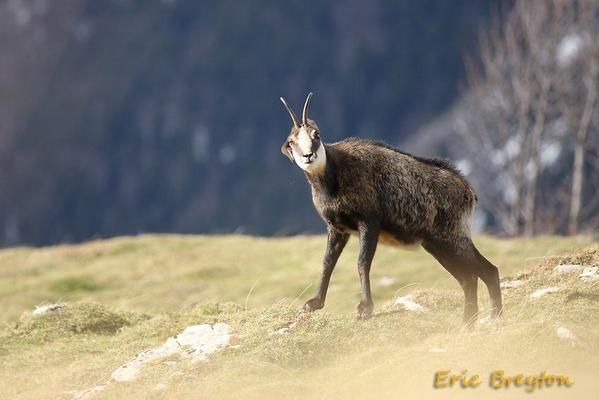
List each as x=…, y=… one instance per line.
x=305, y=112
x=291, y=113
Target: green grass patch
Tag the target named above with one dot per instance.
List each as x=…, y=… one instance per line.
x=75, y=284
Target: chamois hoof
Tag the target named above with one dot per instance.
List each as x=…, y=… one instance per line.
x=365, y=310
x=313, y=304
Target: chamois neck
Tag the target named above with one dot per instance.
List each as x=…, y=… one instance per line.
x=326, y=179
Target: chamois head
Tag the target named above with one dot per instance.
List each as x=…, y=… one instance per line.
x=303, y=145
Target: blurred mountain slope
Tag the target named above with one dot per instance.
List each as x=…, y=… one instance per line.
x=129, y=116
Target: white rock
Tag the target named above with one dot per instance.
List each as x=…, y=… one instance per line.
x=281, y=331
x=565, y=333
x=567, y=268
x=408, y=303
x=195, y=342
x=590, y=274
x=537, y=294
x=46, y=308
x=386, y=281
x=511, y=284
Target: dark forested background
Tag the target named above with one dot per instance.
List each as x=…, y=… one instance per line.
x=124, y=116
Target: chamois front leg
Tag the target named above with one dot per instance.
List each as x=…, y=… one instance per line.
x=335, y=244
x=369, y=236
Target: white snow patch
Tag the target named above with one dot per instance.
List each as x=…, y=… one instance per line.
x=512, y=147
x=531, y=169
x=568, y=268
x=46, y=308
x=227, y=154
x=465, y=166
x=565, y=333
x=408, y=303
x=550, y=153
x=568, y=49
x=559, y=127
x=537, y=294
x=505, y=184
x=386, y=281
x=497, y=157
x=511, y=284
x=195, y=342
x=590, y=274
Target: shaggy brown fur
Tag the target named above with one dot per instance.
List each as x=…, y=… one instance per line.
x=373, y=190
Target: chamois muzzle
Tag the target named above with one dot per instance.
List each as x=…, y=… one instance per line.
x=308, y=158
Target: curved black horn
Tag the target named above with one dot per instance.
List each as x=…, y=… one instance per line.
x=305, y=112
x=291, y=113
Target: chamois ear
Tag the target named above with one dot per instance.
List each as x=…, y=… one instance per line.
x=286, y=150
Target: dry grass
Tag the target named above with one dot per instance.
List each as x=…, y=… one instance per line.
x=126, y=295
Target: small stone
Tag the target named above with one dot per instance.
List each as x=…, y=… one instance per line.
x=46, y=308
x=568, y=268
x=281, y=331
x=408, y=303
x=590, y=274
x=565, y=334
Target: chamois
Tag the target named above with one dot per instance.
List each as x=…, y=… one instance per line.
x=380, y=193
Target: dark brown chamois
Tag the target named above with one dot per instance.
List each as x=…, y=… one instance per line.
x=380, y=193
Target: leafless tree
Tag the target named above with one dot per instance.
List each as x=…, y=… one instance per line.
x=534, y=90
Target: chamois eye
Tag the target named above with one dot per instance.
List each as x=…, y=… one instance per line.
x=316, y=135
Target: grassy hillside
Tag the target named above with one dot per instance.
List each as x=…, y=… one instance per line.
x=126, y=295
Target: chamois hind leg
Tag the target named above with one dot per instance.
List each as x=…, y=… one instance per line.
x=490, y=276
x=369, y=236
x=460, y=263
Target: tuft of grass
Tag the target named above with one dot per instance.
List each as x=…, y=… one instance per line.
x=584, y=257
x=71, y=319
